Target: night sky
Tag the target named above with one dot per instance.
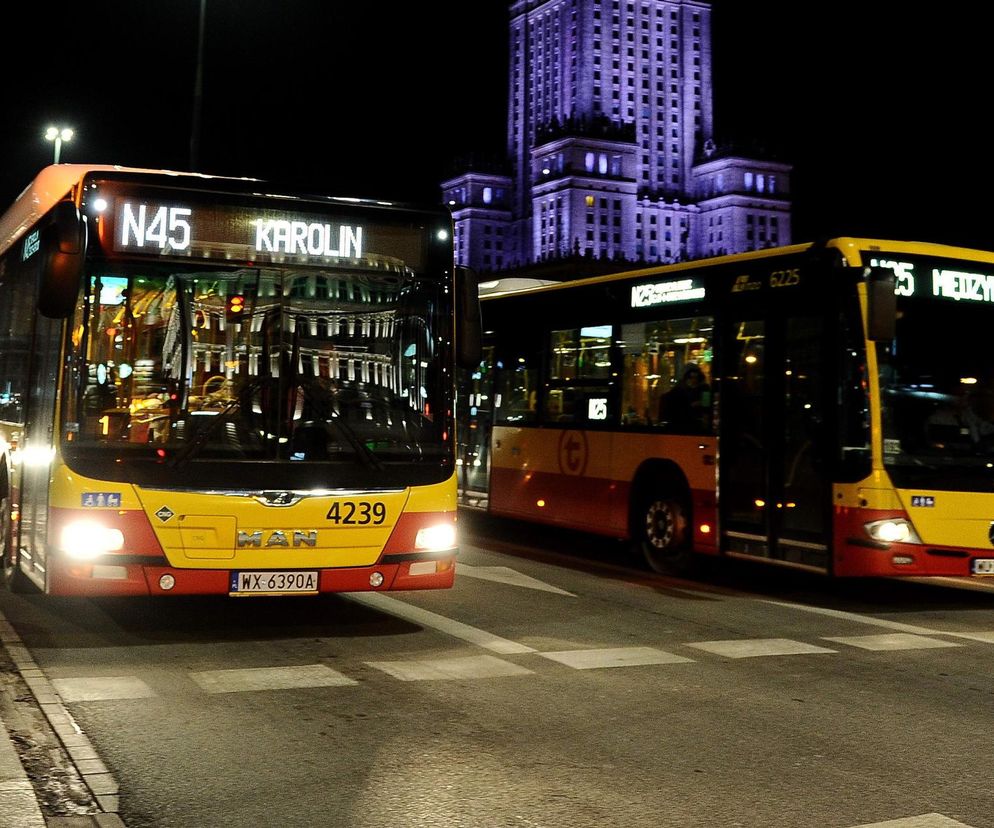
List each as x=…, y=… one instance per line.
x=882, y=115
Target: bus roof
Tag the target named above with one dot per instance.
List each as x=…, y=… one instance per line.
x=53, y=184
x=850, y=247
x=56, y=181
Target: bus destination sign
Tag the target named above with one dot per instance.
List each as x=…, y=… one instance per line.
x=243, y=233
x=961, y=281
x=665, y=293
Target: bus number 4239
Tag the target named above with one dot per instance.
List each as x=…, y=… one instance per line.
x=352, y=513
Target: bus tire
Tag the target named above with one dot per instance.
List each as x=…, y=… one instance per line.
x=661, y=521
x=10, y=571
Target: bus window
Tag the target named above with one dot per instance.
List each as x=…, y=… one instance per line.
x=517, y=389
x=655, y=357
x=579, y=375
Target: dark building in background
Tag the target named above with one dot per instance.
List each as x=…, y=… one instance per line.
x=610, y=149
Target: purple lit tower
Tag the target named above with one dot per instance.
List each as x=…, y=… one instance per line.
x=610, y=146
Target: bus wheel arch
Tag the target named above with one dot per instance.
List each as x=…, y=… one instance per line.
x=660, y=518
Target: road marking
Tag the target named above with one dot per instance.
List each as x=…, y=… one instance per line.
x=986, y=637
x=269, y=678
x=751, y=648
x=416, y=615
x=102, y=688
x=890, y=641
x=432, y=669
x=852, y=616
x=614, y=657
x=981, y=584
x=506, y=575
x=923, y=821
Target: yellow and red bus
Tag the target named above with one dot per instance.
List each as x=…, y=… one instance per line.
x=211, y=385
x=844, y=421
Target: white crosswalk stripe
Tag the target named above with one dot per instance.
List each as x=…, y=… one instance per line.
x=923, y=821
x=430, y=669
x=269, y=678
x=750, y=648
x=891, y=641
x=614, y=657
x=101, y=688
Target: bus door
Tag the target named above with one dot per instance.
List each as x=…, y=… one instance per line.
x=38, y=447
x=774, y=489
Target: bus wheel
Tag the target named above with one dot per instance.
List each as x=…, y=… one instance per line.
x=10, y=571
x=663, y=535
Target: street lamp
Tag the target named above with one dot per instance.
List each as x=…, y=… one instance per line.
x=58, y=134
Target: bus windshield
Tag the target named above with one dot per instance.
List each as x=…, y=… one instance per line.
x=300, y=377
x=937, y=396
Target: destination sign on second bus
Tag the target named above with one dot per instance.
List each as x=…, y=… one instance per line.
x=939, y=278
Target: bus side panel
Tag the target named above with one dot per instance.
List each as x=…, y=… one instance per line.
x=558, y=476
x=583, y=479
x=694, y=456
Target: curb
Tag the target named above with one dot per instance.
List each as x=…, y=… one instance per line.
x=91, y=769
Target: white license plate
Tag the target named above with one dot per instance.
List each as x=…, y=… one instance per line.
x=983, y=566
x=280, y=582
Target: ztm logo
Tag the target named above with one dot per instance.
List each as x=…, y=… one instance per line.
x=573, y=452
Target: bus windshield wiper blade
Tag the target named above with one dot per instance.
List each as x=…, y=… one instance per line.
x=363, y=452
x=361, y=449
x=194, y=447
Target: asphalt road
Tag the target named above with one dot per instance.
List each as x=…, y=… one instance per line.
x=557, y=684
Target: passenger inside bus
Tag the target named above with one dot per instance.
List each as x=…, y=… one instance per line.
x=686, y=408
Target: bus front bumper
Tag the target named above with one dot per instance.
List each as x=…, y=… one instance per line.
x=124, y=575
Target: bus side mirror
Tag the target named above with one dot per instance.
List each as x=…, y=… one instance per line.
x=63, y=248
x=881, y=303
x=469, y=324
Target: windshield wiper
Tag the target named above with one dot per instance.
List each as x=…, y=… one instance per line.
x=200, y=439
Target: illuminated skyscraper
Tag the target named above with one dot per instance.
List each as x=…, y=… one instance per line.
x=610, y=145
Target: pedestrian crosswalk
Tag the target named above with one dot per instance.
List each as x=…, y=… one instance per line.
x=75, y=689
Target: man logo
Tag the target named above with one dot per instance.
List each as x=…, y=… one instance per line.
x=278, y=538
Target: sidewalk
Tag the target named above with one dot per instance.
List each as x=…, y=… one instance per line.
x=20, y=804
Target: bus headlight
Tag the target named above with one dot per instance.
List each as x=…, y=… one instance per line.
x=436, y=538
x=892, y=530
x=87, y=539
